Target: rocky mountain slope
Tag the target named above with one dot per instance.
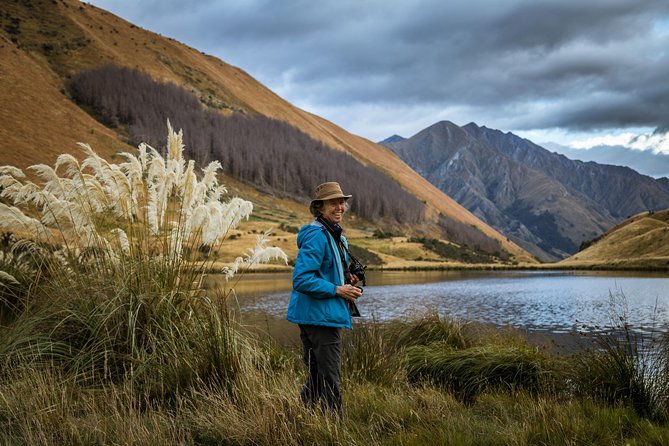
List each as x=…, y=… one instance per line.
x=44, y=42
x=541, y=200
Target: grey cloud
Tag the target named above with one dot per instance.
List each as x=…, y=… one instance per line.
x=585, y=64
x=645, y=162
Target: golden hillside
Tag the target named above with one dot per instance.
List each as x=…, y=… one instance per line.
x=43, y=42
x=641, y=241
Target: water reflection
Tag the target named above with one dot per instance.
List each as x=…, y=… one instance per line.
x=555, y=301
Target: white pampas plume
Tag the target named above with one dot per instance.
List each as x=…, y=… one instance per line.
x=175, y=144
x=120, y=190
x=236, y=210
x=135, y=172
x=209, y=179
x=122, y=240
x=5, y=277
x=152, y=211
x=254, y=256
x=231, y=270
x=156, y=170
x=93, y=160
x=11, y=217
x=175, y=160
x=94, y=192
x=52, y=182
x=13, y=171
x=216, y=193
x=263, y=254
x=65, y=159
x=187, y=186
x=142, y=154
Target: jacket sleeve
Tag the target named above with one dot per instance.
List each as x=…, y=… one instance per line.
x=307, y=276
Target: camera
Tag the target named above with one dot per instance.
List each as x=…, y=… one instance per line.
x=358, y=269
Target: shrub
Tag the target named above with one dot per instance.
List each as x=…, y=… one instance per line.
x=365, y=256
x=451, y=251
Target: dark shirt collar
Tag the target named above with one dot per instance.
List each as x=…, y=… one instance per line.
x=334, y=229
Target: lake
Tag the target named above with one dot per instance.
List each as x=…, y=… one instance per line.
x=555, y=301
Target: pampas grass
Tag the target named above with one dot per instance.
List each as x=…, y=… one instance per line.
x=111, y=267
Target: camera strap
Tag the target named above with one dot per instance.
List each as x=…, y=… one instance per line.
x=335, y=231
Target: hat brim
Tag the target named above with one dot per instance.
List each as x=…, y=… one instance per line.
x=332, y=197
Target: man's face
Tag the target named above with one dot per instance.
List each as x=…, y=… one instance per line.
x=333, y=210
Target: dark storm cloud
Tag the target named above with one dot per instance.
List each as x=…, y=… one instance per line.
x=517, y=64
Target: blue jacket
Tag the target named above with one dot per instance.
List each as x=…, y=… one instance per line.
x=318, y=271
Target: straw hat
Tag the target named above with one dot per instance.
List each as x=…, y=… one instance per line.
x=329, y=191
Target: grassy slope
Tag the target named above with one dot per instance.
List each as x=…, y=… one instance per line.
x=81, y=36
x=38, y=122
x=641, y=241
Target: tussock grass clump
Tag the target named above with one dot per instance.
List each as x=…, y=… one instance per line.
x=431, y=328
x=374, y=351
x=471, y=371
x=369, y=354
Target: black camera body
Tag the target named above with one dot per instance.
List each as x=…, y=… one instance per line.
x=358, y=269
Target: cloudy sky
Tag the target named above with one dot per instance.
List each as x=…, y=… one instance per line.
x=574, y=72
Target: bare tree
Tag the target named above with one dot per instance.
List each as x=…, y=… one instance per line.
x=267, y=153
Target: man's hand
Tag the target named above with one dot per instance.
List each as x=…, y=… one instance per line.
x=349, y=292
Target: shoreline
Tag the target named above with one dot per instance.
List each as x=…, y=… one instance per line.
x=558, y=343
x=472, y=267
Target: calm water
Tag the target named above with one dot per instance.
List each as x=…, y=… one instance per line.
x=554, y=301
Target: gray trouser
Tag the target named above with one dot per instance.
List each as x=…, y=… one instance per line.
x=322, y=356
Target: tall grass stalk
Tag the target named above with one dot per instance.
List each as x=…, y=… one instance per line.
x=629, y=366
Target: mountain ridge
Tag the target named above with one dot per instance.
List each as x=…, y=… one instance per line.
x=542, y=201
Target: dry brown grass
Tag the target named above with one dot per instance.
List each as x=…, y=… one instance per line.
x=641, y=242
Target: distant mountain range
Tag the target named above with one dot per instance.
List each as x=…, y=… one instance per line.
x=544, y=201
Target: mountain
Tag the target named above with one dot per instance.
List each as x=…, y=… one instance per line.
x=44, y=43
x=620, y=190
x=543, y=201
x=391, y=139
x=641, y=241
